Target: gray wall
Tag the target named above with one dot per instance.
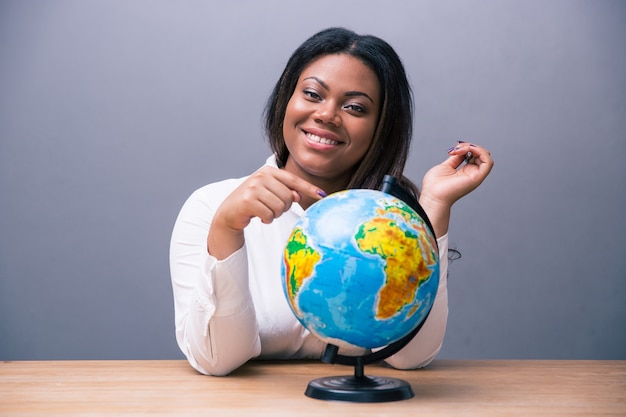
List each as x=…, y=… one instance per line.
x=113, y=112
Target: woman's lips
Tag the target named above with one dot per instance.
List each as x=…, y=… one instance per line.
x=322, y=137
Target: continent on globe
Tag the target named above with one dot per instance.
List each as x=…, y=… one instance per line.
x=301, y=260
x=405, y=269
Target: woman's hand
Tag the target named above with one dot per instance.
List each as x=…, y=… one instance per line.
x=266, y=194
x=465, y=169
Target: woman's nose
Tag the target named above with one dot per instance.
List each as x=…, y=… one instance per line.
x=328, y=113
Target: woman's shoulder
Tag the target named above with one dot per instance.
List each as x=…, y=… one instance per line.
x=219, y=190
x=215, y=192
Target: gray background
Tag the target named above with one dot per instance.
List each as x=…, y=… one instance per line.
x=113, y=112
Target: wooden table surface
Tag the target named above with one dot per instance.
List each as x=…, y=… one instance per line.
x=445, y=388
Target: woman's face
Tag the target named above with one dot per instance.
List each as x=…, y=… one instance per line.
x=330, y=120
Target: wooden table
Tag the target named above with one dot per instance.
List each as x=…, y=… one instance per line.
x=446, y=388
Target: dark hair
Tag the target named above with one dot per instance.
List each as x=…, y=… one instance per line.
x=390, y=146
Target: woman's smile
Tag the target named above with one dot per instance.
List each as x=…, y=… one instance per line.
x=316, y=136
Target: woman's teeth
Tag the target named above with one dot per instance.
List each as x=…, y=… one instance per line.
x=315, y=138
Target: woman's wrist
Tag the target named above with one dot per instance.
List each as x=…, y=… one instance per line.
x=438, y=212
x=222, y=240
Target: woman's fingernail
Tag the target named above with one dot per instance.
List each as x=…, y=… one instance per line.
x=472, y=145
x=321, y=193
x=451, y=149
x=460, y=141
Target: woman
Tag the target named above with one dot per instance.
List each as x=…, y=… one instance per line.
x=339, y=117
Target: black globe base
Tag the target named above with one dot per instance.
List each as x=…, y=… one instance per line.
x=362, y=389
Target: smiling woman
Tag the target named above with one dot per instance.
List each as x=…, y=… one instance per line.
x=339, y=117
x=330, y=120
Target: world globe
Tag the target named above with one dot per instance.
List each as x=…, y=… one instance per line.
x=360, y=269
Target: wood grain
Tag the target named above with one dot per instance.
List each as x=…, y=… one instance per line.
x=445, y=388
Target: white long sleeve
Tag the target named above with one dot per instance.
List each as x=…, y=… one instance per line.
x=212, y=298
x=228, y=312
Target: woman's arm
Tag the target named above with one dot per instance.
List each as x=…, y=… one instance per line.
x=216, y=326
x=442, y=186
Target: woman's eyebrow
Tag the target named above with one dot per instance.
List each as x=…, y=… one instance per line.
x=348, y=93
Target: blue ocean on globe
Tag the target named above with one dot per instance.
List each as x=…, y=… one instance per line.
x=361, y=268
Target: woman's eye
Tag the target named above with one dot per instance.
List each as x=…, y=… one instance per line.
x=312, y=94
x=355, y=108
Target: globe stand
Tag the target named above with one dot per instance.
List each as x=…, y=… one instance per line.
x=359, y=387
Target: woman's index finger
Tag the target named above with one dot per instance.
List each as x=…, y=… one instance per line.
x=302, y=186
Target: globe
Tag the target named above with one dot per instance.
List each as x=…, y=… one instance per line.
x=360, y=269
